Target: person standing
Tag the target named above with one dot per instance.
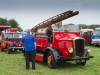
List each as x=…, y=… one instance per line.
x=30, y=49
x=49, y=34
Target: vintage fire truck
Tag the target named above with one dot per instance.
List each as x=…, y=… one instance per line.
x=66, y=43
x=87, y=35
x=10, y=40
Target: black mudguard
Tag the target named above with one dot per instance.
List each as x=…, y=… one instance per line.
x=55, y=53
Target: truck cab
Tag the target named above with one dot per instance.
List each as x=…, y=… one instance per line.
x=96, y=37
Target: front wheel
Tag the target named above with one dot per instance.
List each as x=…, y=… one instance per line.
x=83, y=63
x=80, y=62
x=51, y=60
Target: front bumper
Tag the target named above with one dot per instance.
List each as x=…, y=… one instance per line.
x=62, y=58
x=95, y=43
x=16, y=48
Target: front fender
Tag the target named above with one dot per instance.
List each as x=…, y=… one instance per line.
x=55, y=53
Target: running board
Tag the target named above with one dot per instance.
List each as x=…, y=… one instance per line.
x=39, y=57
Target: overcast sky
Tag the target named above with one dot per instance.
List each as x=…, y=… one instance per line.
x=29, y=13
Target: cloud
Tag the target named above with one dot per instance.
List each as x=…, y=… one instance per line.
x=29, y=13
x=36, y=5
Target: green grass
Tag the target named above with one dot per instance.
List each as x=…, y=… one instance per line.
x=14, y=64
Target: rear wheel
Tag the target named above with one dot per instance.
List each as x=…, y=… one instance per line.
x=1, y=48
x=8, y=50
x=51, y=60
x=23, y=53
x=86, y=43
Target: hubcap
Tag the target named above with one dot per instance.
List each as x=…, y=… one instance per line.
x=50, y=60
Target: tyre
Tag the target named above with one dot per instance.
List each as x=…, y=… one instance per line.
x=23, y=53
x=86, y=43
x=8, y=50
x=80, y=62
x=77, y=62
x=1, y=48
x=83, y=62
x=51, y=60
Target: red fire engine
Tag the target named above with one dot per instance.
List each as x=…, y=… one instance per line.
x=66, y=43
x=10, y=40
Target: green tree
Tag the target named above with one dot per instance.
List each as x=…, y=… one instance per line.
x=71, y=24
x=3, y=21
x=12, y=22
x=84, y=26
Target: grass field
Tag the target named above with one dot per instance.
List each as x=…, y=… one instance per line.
x=14, y=64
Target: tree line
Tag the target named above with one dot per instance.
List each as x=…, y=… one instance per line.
x=15, y=24
x=93, y=26
x=12, y=22
x=84, y=26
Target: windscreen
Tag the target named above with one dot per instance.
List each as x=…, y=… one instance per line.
x=17, y=35
x=72, y=28
x=8, y=35
x=13, y=35
x=96, y=33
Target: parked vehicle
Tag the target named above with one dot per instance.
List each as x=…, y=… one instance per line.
x=96, y=37
x=66, y=43
x=10, y=40
x=3, y=27
x=87, y=35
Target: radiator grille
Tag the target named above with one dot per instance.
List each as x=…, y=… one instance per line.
x=79, y=47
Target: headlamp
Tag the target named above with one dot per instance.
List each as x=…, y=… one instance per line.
x=70, y=50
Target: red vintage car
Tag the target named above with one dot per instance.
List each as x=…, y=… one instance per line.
x=66, y=43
